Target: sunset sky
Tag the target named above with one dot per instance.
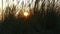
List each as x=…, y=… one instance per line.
x=27, y=5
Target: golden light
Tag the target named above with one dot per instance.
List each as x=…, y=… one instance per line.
x=0, y=16
x=26, y=14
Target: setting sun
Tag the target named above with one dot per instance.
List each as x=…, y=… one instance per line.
x=26, y=14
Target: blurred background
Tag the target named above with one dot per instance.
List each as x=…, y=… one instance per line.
x=30, y=16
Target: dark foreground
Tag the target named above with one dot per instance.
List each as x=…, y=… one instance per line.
x=49, y=24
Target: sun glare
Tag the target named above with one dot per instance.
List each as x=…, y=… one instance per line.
x=26, y=14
